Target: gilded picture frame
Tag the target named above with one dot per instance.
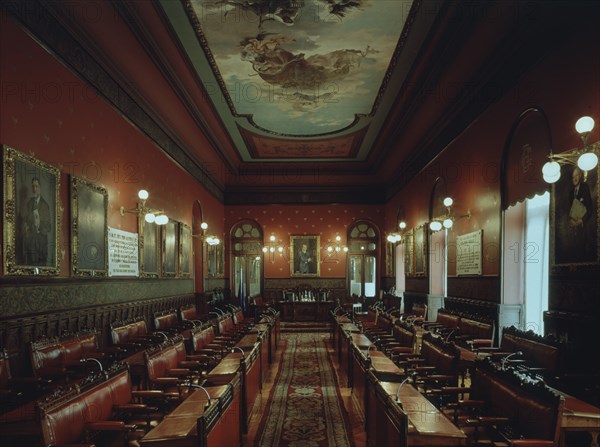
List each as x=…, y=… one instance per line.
x=32, y=215
x=409, y=253
x=170, y=244
x=420, y=250
x=305, y=255
x=149, y=248
x=215, y=260
x=185, y=250
x=575, y=227
x=89, y=229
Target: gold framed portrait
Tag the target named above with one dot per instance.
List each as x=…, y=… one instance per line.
x=305, y=259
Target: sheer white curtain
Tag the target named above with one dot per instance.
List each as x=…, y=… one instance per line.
x=536, y=261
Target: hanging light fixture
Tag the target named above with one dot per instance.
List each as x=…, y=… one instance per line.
x=395, y=237
x=585, y=158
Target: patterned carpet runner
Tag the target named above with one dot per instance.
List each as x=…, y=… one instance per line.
x=305, y=406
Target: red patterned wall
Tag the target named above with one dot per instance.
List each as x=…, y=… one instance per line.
x=323, y=220
x=51, y=115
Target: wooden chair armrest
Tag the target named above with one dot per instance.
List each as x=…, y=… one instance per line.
x=106, y=426
x=166, y=380
x=456, y=389
x=401, y=350
x=147, y=394
x=481, y=342
x=487, y=421
x=437, y=377
x=424, y=368
x=135, y=408
x=531, y=443
x=179, y=372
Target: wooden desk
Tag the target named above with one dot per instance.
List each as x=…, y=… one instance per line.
x=218, y=423
x=305, y=310
x=424, y=423
x=580, y=416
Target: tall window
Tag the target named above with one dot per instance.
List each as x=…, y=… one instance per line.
x=362, y=255
x=536, y=256
x=246, y=242
x=526, y=259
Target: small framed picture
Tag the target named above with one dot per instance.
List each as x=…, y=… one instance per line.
x=170, y=238
x=185, y=250
x=31, y=208
x=89, y=229
x=149, y=248
x=420, y=250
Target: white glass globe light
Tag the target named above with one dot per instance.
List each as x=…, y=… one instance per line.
x=448, y=223
x=143, y=194
x=448, y=201
x=435, y=226
x=150, y=217
x=587, y=161
x=163, y=219
x=584, y=124
x=552, y=178
x=550, y=169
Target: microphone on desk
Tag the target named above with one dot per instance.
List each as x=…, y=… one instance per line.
x=165, y=336
x=240, y=349
x=200, y=387
x=91, y=359
x=197, y=323
x=370, y=346
x=409, y=376
x=504, y=360
x=450, y=334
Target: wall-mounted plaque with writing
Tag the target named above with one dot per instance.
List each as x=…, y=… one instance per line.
x=468, y=253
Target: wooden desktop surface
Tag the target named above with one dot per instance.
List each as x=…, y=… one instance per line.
x=426, y=424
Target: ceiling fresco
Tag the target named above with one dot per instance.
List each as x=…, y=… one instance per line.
x=300, y=67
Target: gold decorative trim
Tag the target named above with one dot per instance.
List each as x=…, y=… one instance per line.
x=84, y=251
x=420, y=249
x=19, y=170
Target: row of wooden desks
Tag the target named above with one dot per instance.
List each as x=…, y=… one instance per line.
x=414, y=417
x=233, y=385
x=374, y=379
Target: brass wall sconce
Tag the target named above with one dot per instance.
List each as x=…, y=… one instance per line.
x=151, y=215
x=336, y=246
x=210, y=239
x=585, y=158
x=273, y=245
x=447, y=221
x=396, y=237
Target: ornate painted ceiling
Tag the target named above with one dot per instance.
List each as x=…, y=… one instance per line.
x=296, y=79
x=298, y=101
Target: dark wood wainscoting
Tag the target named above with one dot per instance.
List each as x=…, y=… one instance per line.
x=17, y=332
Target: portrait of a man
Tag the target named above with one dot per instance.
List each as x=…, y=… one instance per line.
x=31, y=224
x=576, y=217
x=37, y=227
x=305, y=256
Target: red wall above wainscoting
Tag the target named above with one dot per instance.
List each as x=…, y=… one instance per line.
x=322, y=220
x=50, y=114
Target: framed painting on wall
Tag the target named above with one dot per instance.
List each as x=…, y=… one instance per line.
x=31, y=210
x=149, y=248
x=169, y=251
x=215, y=260
x=89, y=229
x=304, y=259
x=420, y=250
x=409, y=253
x=575, y=219
x=185, y=250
